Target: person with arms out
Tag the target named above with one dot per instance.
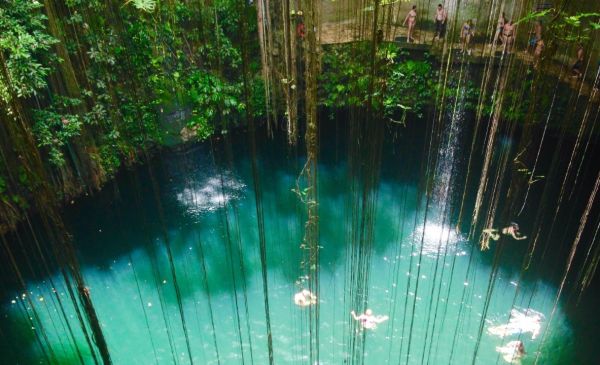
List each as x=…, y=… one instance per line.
x=494, y=234
x=367, y=320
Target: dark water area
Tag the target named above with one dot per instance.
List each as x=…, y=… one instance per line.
x=199, y=200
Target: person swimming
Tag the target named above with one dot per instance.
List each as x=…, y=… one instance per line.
x=367, y=320
x=512, y=352
x=494, y=234
x=519, y=323
x=305, y=298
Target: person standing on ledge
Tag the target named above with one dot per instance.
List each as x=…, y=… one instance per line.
x=441, y=16
x=508, y=36
x=411, y=20
x=577, y=69
x=466, y=32
x=499, y=28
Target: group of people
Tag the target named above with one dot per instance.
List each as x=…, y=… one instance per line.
x=505, y=33
x=504, y=36
x=441, y=18
x=366, y=320
x=528, y=321
x=512, y=230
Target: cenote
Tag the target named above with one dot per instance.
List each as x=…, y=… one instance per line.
x=236, y=182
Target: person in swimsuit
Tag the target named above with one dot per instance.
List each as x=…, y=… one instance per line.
x=494, y=234
x=512, y=352
x=577, y=69
x=466, y=32
x=367, y=320
x=499, y=28
x=411, y=20
x=440, y=22
x=508, y=36
x=305, y=298
x=519, y=323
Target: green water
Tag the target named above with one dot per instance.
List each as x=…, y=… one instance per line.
x=121, y=241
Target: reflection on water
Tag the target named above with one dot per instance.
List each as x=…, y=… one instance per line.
x=438, y=239
x=211, y=193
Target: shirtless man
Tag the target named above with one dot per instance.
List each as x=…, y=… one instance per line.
x=440, y=22
x=305, y=298
x=367, y=320
x=508, y=36
x=411, y=20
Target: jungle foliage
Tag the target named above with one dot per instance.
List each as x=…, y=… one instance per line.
x=91, y=84
x=401, y=84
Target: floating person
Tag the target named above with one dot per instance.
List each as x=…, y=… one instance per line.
x=577, y=69
x=368, y=320
x=411, y=20
x=466, y=32
x=512, y=352
x=499, y=29
x=508, y=36
x=519, y=323
x=513, y=231
x=441, y=15
x=305, y=298
x=494, y=234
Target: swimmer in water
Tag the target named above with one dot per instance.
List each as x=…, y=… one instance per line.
x=305, y=298
x=512, y=352
x=519, y=323
x=368, y=320
x=494, y=234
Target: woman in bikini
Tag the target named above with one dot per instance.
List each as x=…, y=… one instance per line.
x=508, y=36
x=466, y=33
x=411, y=20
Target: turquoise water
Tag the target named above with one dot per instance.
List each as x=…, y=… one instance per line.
x=121, y=241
